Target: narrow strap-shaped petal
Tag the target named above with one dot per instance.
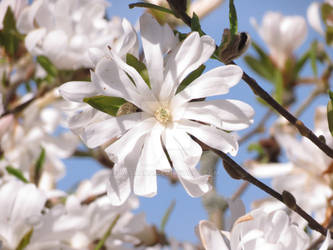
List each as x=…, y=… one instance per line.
x=225, y=114
x=185, y=155
x=211, y=237
x=119, y=186
x=152, y=158
x=118, y=150
x=190, y=54
x=215, y=82
x=140, y=84
x=151, y=33
x=112, y=81
x=101, y=132
x=25, y=23
x=123, y=174
x=213, y=137
x=128, y=42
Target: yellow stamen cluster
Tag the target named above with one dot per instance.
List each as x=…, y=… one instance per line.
x=163, y=115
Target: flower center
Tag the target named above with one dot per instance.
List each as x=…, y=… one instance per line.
x=163, y=115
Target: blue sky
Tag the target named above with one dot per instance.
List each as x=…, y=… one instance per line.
x=189, y=211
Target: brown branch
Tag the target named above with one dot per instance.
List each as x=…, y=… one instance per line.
x=303, y=130
x=243, y=174
x=237, y=172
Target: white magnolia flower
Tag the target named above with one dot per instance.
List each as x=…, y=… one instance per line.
x=307, y=174
x=21, y=206
x=255, y=231
x=64, y=31
x=16, y=6
x=282, y=35
x=167, y=119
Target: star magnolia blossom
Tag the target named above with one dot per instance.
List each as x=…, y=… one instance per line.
x=308, y=174
x=257, y=230
x=64, y=31
x=282, y=35
x=167, y=119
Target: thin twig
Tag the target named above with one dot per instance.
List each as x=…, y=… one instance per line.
x=259, y=128
x=303, y=130
x=92, y=198
x=240, y=190
x=316, y=92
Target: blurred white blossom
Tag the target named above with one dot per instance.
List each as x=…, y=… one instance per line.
x=23, y=142
x=307, y=175
x=64, y=31
x=21, y=206
x=282, y=35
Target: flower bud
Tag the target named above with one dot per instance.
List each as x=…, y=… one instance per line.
x=289, y=199
x=233, y=47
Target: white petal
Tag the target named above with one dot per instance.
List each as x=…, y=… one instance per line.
x=293, y=30
x=140, y=84
x=328, y=242
x=151, y=35
x=119, y=186
x=211, y=237
x=95, y=54
x=145, y=175
x=55, y=42
x=118, y=150
x=192, y=52
x=111, y=80
x=185, y=155
x=76, y=91
x=29, y=202
x=152, y=158
x=33, y=40
x=225, y=114
x=122, y=175
x=25, y=23
x=82, y=118
x=101, y=132
x=128, y=42
x=213, y=137
x=237, y=209
x=313, y=15
x=214, y=82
